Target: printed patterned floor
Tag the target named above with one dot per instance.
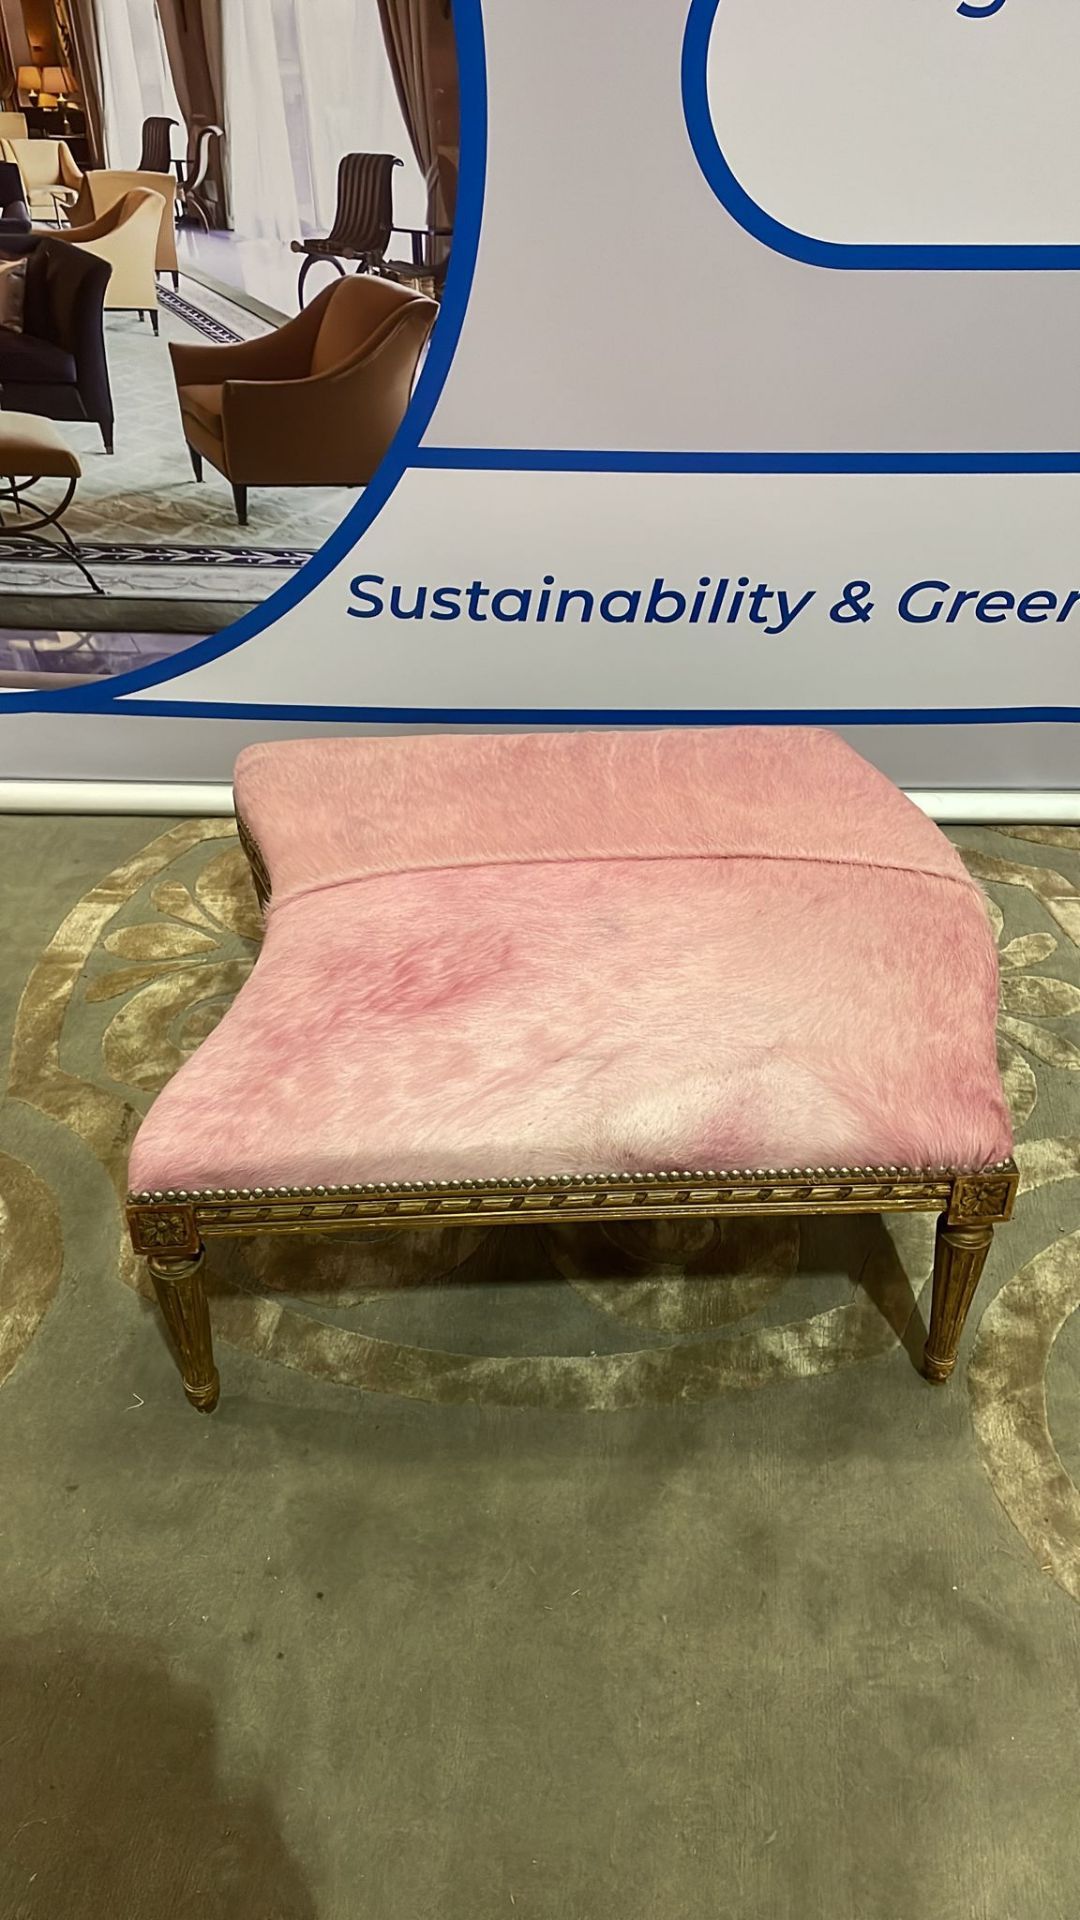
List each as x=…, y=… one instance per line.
x=30, y=657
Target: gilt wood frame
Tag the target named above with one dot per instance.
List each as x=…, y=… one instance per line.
x=171, y=1227
x=178, y=1222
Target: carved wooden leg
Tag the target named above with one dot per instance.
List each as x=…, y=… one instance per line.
x=959, y=1258
x=182, y=1299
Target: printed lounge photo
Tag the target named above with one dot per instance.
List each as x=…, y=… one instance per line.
x=222, y=253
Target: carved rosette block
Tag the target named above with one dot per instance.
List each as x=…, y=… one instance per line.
x=163, y=1229
x=983, y=1196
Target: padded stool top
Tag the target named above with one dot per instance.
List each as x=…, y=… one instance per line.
x=32, y=445
x=513, y=955
x=324, y=811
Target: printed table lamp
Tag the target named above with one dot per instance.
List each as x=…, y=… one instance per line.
x=53, y=87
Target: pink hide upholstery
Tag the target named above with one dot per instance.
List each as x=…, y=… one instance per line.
x=510, y=955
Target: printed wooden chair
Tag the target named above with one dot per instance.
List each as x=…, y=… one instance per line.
x=429, y=247
x=156, y=155
x=536, y=977
x=363, y=219
x=194, y=179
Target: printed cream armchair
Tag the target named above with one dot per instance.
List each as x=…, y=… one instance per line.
x=126, y=236
x=102, y=187
x=315, y=404
x=49, y=174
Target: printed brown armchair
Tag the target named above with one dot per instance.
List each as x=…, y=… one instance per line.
x=315, y=404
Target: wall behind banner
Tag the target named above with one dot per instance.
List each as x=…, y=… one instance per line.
x=753, y=395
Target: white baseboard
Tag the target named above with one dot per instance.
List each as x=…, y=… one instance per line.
x=171, y=797
x=998, y=807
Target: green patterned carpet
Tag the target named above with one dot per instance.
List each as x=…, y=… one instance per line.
x=557, y=1574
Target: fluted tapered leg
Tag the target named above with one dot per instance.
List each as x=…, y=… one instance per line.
x=959, y=1258
x=182, y=1299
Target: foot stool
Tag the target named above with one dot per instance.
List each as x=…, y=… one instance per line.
x=32, y=449
x=589, y=976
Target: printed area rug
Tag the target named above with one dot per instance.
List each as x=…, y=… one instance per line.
x=635, y=1566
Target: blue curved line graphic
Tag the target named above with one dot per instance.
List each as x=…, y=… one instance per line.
x=761, y=225
x=469, y=35
x=623, y=716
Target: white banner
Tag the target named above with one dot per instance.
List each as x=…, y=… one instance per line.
x=754, y=394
